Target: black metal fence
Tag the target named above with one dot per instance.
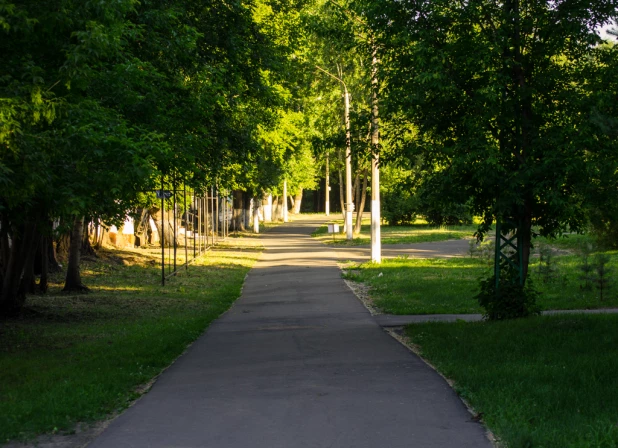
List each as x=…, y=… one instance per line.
x=198, y=222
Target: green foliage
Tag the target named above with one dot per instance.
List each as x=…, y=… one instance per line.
x=99, y=101
x=512, y=300
x=398, y=200
x=585, y=267
x=439, y=213
x=602, y=274
x=399, y=207
x=605, y=226
x=483, y=250
x=546, y=267
x=496, y=104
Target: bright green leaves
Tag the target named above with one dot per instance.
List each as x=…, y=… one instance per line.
x=501, y=101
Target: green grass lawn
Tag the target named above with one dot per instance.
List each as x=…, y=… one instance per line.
x=546, y=381
x=571, y=242
x=79, y=357
x=419, y=232
x=428, y=286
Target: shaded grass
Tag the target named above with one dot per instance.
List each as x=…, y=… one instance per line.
x=571, y=242
x=444, y=286
x=537, y=382
x=419, y=232
x=421, y=286
x=72, y=358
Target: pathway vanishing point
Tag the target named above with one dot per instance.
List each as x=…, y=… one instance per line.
x=297, y=362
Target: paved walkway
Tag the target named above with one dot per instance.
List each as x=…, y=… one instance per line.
x=297, y=362
x=394, y=320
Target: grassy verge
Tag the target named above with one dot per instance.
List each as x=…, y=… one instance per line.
x=416, y=233
x=428, y=286
x=571, y=242
x=538, y=382
x=76, y=358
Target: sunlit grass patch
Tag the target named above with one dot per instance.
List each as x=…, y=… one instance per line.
x=537, y=382
x=444, y=286
x=80, y=357
x=420, y=232
x=422, y=286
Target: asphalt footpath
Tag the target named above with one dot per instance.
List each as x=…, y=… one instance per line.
x=296, y=362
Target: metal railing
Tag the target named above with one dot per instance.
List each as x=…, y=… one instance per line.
x=206, y=223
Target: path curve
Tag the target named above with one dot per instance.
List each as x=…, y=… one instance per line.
x=297, y=362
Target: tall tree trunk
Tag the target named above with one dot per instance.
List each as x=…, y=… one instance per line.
x=44, y=255
x=13, y=293
x=342, y=195
x=356, y=190
x=376, y=239
x=5, y=247
x=276, y=208
x=63, y=242
x=256, y=215
x=248, y=217
x=267, y=205
x=52, y=259
x=238, y=207
x=292, y=203
x=28, y=283
x=142, y=228
x=361, y=206
x=297, y=202
x=73, y=280
x=167, y=232
x=87, y=249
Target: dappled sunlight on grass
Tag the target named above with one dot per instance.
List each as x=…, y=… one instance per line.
x=434, y=286
x=77, y=357
x=422, y=286
x=416, y=233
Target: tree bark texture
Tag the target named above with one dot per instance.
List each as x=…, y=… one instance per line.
x=276, y=209
x=43, y=255
x=361, y=204
x=238, y=223
x=142, y=230
x=73, y=280
x=15, y=274
x=168, y=232
x=356, y=190
x=87, y=249
x=256, y=215
x=341, y=195
x=63, y=242
x=298, y=202
x=248, y=217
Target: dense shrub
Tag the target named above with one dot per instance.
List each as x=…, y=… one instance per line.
x=399, y=207
x=511, y=301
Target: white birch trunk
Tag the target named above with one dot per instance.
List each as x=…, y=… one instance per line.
x=285, y=201
x=256, y=216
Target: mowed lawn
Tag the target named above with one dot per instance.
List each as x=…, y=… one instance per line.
x=420, y=232
x=547, y=381
x=539, y=382
x=79, y=357
x=428, y=286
